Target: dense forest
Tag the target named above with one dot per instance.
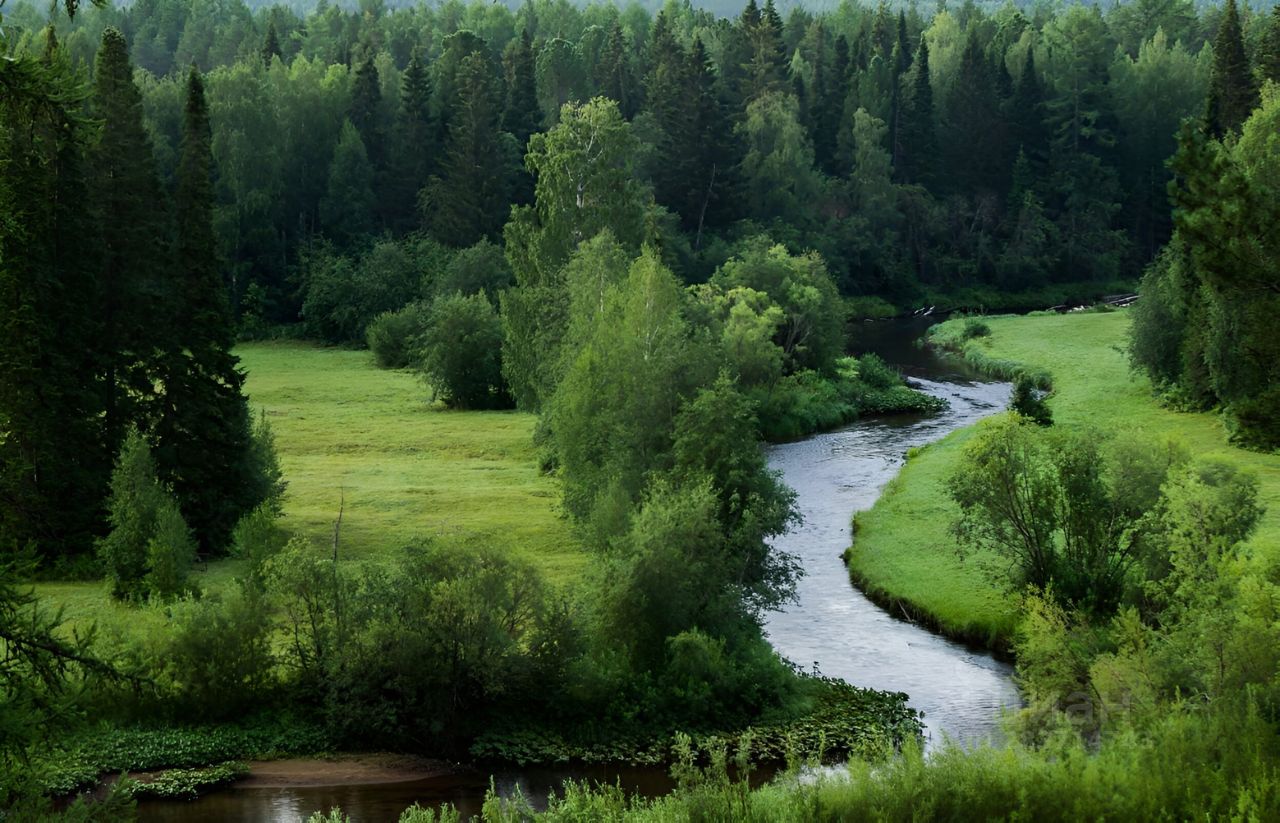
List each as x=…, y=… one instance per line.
x=652, y=228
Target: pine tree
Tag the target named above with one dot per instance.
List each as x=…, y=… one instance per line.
x=271, y=45
x=830, y=111
x=54, y=464
x=521, y=115
x=1233, y=90
x=918, y=139
x=469, y=201
x=203, y=448
x=129, y=205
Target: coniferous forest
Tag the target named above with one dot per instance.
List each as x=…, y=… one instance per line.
x=648, y=240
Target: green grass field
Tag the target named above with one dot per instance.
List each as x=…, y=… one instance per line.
x=903, y=550
x=405, y=468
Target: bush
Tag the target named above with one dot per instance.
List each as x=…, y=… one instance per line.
x=393, y=336
x=341, y=295
x=1027, y=403
x=877, y=374
x=256, y=538
x=480, y=268
x=267, y=474
x=462, y=353
x=170, y=552
x=975, y=327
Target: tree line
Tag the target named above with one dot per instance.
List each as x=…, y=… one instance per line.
x=997, y=152
x=115, y=317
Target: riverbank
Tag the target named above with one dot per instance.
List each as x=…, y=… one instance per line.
x=903, y=555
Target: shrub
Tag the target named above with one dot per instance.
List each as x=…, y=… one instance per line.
x=462, y=352
x=975, y=327
x=341, y=295
x=1027, y=403
x=480, y=268
x=170, y=552
x=267, y=474
x=877, y=374
x=393, y=335
x=256, y=538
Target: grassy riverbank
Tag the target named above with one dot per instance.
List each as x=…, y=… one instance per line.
x=903, y=553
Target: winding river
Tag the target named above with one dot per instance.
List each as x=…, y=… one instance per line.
x=830, y=626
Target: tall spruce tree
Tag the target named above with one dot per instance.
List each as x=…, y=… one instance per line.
x=973, y=126
x=414, y=158
x=469, y=201
x=271, y=44
x=1269, y=49
x=54, y=463
x=1233, y=90
x=1025, y=111
x=366, y=110
x=129, y=207
x=346, y=210
x=617, y=81
x=917, y=137
x=521, y=115
x=203, y=442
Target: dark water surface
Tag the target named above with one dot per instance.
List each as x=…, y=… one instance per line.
x=831, y=625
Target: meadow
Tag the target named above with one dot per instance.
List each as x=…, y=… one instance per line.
x=903, y=550
x=400, y=466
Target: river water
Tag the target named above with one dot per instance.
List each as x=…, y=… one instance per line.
x=831, y=626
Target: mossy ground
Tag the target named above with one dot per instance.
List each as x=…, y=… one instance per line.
x=903, y=549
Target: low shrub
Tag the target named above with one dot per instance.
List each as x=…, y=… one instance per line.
x=392, y=336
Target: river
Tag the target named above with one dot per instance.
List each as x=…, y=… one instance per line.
x=830, y=626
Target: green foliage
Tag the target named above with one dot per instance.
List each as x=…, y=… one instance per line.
x=392, y=336
x=133, y=509
x=1026, y=403
x=187, y=784
x=347, y=208
x=461, y=352
x=479, y=268
x=170, y=552
x=344, y=294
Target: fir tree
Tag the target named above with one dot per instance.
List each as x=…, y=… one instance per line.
x=203, y=432
x=126, y=194
x=973, y=124
x=1233, y=90
x=132, y=510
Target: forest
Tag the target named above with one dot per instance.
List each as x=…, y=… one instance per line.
x=651, y=238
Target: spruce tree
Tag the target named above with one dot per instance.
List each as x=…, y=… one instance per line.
x=203, y=448
x=271, y=45
x=1233, y=90
x=366, y=110
x=54, y=463
x=128, y=202
x=1025, y=109
x=919, y=142
x=469, y=201
x=618, y=83
x=973, y=126
x=414, y=158
x=521, y=115
x=346, y=210
x=1269, y=49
